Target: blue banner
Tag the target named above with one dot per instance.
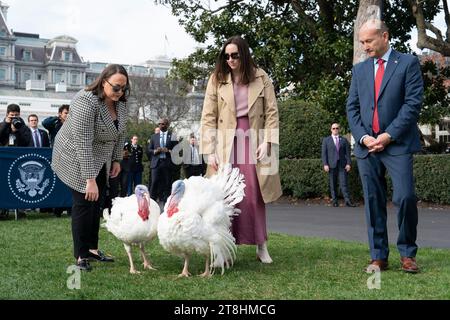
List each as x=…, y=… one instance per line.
x=28, y=181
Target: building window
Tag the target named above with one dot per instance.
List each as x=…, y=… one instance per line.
x=59, y=76
x=2, y=51
x=444, y=139
x=2, y=33
x=24, y=104
x=27, y=55
x=26, y=76
x=89, y=80
x=67, y=56
x=4, y=103
x=75, y=79
x=2, y=74
x=39, y=76
x=444, y=126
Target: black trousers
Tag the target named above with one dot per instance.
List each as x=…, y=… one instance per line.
x=123, y=183
x=161, y=180
x=193, y=170
x=111, y=192
x=86, y=219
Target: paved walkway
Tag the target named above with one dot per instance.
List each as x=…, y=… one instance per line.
x=345, y=223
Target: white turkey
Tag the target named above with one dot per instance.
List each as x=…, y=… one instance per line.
x=134, y=221
x=197, y=218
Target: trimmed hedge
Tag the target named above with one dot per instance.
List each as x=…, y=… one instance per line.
x=305, y=178
x=303, y=125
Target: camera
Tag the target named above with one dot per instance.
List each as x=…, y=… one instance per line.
x=17, y=122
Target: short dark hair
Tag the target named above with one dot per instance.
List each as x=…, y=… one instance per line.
x=34, y=116
x=97, y=86
x=63, y=107
x=12, y=108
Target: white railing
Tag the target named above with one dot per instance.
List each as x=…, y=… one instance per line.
x=61, y=87
x=35, y=85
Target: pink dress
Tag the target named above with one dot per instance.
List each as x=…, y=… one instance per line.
x=250, y=226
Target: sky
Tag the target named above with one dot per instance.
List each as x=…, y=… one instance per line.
x=116, y=31
x=126, y=32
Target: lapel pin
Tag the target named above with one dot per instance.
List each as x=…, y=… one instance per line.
x=395, y=61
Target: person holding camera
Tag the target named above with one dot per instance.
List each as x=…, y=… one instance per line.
x=13, y=131
x=53, y=124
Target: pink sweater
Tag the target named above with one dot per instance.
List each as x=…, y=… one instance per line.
x=241, y=99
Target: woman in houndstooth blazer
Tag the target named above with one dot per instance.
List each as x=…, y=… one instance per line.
x=87, y=150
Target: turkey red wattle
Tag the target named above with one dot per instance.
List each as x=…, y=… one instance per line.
x=171, y=211
x=143, y=210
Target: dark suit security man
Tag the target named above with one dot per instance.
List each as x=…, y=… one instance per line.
x=383, y=108
x=39, y=137
x=337, y=162
x=158, y=150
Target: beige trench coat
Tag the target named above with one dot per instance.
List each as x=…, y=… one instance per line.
x=218, y=125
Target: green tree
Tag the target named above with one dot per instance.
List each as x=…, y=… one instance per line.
x=143, y=130
x=306, y=45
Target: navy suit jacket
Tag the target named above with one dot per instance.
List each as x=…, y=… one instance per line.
x=399, y=103
x=329, y=152
x=154, y=144
x=44, y=138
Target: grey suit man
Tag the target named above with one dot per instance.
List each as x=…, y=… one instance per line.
x=337, y=162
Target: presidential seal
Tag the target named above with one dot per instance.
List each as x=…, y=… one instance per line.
x=30, y=178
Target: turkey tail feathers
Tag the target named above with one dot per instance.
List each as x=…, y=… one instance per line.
x=223, y=252
x=223, y=249
x=232, y=183
x=106, y=214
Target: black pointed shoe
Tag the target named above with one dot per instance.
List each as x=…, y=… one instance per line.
x=84, y=265
x=100, y=257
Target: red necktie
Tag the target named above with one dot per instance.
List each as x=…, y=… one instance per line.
x=378, y=80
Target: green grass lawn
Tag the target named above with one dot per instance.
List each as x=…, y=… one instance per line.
x=35, y=253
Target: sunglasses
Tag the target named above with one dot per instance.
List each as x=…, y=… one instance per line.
x=234, y=56
x=335, y=128
x=116, y=88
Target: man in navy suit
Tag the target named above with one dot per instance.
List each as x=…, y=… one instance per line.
x=39, y=137
x=158, y=150
x=383, y=108
x=337, y=162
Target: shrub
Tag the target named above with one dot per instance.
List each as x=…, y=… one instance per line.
x=302, y=127
x=305, y=178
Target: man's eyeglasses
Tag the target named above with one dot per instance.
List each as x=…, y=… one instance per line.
x=116, y=88
x=335, y=128
x=234, y=56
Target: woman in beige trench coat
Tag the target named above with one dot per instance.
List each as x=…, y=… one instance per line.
x=240, y=126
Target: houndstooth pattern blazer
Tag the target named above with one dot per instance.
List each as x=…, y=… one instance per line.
x=88, y=140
